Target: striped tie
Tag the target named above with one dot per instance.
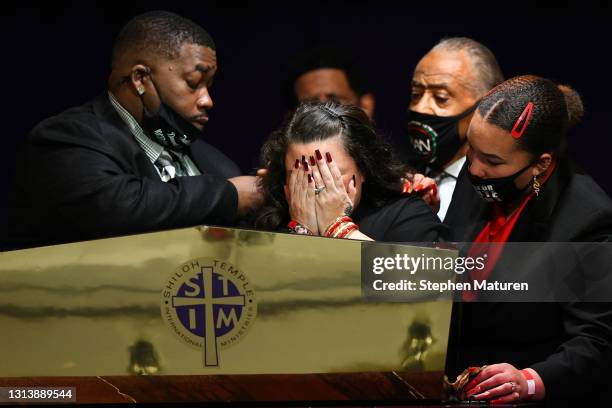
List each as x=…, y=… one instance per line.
x=168, y=167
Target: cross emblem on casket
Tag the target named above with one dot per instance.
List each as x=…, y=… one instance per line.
x=211, y=356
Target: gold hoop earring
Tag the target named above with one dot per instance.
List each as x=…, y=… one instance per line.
x=536, y=185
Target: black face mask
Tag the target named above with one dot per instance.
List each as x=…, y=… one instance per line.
x=501, y=189
x=169, y=128
x=435, y=139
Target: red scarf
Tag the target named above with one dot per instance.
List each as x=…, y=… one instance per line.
x=496, y=231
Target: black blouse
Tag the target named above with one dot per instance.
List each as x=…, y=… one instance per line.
x=407, y=219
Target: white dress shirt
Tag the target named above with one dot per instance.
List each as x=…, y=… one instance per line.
x=446, y=182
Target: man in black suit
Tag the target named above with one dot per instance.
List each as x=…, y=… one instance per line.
x=132, y=160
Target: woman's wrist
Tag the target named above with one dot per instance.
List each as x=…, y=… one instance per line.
x=298, y=228
x=535, y=385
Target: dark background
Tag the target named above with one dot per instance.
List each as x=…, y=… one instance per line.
x=57, y=56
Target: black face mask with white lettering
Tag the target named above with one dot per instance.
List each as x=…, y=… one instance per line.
x=168, y=128
x=435, y=139
x=500, y=189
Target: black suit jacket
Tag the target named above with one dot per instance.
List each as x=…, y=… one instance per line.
x=568, y=344
x=82, y=175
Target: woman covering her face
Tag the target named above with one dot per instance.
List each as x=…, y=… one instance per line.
x=518, y=185
x=330, y=174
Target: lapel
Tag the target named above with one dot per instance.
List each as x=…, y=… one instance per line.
x=198, y=153
x=123, y=142
x=103, y=109
x=469, y=212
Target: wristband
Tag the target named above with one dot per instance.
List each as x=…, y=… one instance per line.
x=531, y=388
x=298, y=228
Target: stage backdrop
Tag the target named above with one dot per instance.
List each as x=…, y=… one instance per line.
x=57, y=56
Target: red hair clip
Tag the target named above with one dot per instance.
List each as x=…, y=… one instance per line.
x=527, y=111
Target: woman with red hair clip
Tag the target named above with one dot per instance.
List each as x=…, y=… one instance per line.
x=519, y=186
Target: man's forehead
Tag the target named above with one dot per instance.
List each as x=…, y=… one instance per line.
x=441, y=80
x=196, y=57
x=324, y=77
x=448, y=68
x=324, y=83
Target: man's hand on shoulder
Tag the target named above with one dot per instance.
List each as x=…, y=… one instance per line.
x=250, y=196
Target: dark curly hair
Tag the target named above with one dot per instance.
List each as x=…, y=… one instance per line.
x=315, y=121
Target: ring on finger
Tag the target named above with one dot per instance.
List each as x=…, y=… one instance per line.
x=513, y=384
x=319, y=189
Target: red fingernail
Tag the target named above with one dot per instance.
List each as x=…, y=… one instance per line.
x=312, y=161
x=418, y=188
x=470, y=385
x=434, y=189
x=482, y=395
x=328, y=157
x=318, y=153
x=297, y=163
x=305, y=165
x=309, y=178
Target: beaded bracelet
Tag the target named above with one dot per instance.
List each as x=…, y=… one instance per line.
x=347, y=229
x=334, y=225
x=341, y=227
x=298, y=228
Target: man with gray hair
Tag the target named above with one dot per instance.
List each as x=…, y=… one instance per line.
x=446, y=86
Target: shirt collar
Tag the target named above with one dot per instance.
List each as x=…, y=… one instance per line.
x=455, y=168
x=152, y=149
